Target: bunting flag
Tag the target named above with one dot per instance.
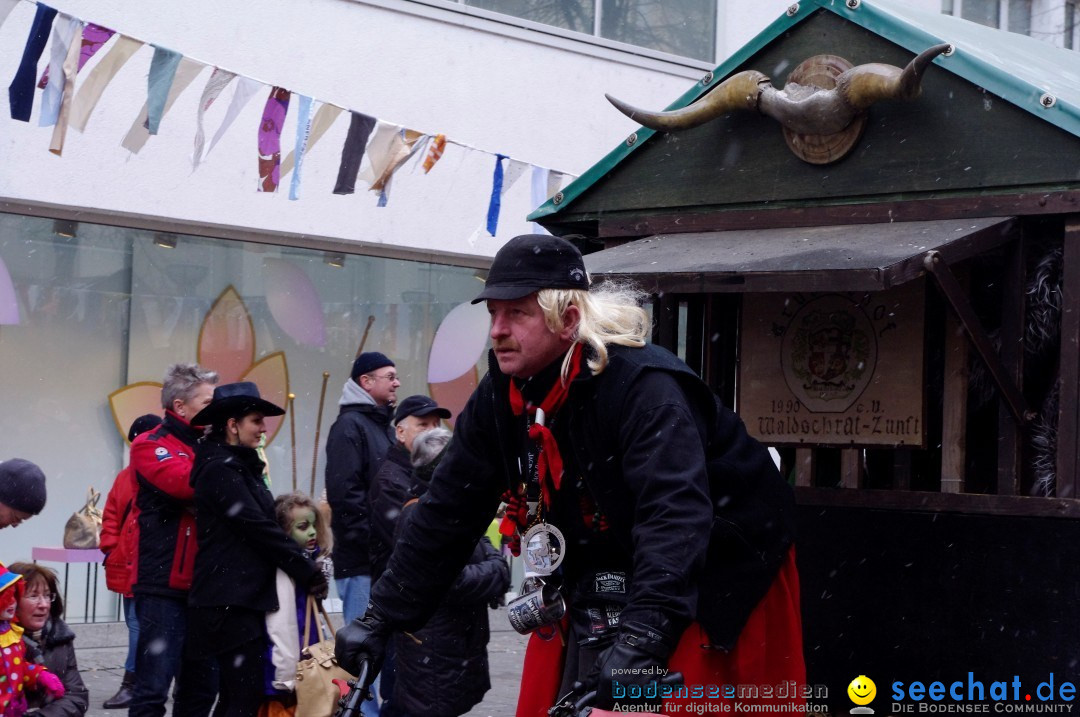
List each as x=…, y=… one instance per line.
x=245, y=90
x=402, y=146
x=69, y=69
x=158, y=84
x=303, y=132
x=219, y=80
x=94, y=85
x=6, y=6
x=139, y=132
x=495, y=203
x=538, y=193
x=273, y=120
x=63, y=37
x=324, y=119
x=93, y=37
x=435, y=152
x=352, y=153
x=21, y=90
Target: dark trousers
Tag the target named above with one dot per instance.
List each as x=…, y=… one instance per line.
x=160, y=658
x=243, y=675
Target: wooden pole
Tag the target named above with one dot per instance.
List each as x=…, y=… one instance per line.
x=292, y=436
x=363, y=339
x=318, y=428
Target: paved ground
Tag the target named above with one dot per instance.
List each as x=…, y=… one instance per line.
x=102, y=666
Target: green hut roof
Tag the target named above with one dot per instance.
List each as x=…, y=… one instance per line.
x=1033, y=75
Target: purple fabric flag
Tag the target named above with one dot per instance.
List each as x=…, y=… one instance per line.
x=352, y=153
x=21, y=90
x=496, y=196
x=93, y=37
x=162, y=72
x=273, y=120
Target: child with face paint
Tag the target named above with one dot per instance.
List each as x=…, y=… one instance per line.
x=17, y=676
x=300, y=518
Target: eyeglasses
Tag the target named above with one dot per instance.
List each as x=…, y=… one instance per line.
x=46, y=598
x=391, y=377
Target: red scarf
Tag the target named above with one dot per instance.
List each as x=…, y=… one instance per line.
x=549, y=464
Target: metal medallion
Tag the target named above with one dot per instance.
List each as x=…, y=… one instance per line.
x=545, y=548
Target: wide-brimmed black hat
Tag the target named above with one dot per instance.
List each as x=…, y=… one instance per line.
x=419, y=406
x=531, y=262
x=233, y=400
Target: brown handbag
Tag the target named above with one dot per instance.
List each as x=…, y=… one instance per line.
x=83, y=529
x=316, y=694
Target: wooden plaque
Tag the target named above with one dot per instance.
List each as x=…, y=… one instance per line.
x=837, y=369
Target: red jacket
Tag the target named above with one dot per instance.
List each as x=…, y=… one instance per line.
x=120, y=533
x=162, y=461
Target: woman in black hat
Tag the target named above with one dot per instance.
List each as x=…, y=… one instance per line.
x=240, y=547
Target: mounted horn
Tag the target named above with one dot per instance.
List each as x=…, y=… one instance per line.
x=822, y=107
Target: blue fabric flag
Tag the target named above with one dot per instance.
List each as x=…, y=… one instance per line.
x=303, y=130
x=162, y=72
x=496, y=196
x=21, y=90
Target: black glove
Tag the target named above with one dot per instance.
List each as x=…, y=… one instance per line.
x=317, y=586
x=636, y=659
x=363, y=639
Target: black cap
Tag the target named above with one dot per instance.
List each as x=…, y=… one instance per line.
x=22, y=486
x=531, y=262
x=419, y=406
x=367, y=362
x=232, y=400
x=142, y=424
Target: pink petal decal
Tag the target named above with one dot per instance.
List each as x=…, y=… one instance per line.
x=132, y=401
x=227, y=338
x=459, y=342
x=294, y=303
x=271, y=375
x=9, y=305
x=453, y=395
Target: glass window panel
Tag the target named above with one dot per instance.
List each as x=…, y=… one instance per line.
x=1072, y=27
x=947, y=7
x=1020, y=16
x=680, y=27
x=575, y=15
x=984, y=12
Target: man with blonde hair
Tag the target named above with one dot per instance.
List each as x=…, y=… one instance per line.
x=665, y=529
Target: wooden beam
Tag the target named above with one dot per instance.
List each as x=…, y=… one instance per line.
x=634, y=225
x=922, y=501
x=954, y=418
x=1068, y=442
x=1010, y=427
x=695, y=330
x=666, y=321
x=805, y=467
x=852, y=474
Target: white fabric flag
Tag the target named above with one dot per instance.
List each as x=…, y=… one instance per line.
x=71, y=68
x=94, y=85
x=245, y=90
x=379, y=151
x=186, y=73
x=219, y=80
x=539, y=193
x=514, y=170
x=63, y=32
x=324, y=119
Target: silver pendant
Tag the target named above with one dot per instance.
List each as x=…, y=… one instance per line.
x=545, y=548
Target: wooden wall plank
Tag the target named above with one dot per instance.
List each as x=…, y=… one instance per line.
x=1068, y=444
x=1013, y=302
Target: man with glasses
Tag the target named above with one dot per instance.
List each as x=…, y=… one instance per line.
x=356, y=445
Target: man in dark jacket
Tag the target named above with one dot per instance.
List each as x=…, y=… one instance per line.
x=165, y=547
x=356, y=445
x=667, y=530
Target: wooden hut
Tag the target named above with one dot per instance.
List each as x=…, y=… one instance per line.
x=898, y=314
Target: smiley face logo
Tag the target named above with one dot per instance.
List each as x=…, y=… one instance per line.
x=862, y=690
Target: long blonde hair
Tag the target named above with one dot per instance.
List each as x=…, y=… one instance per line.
x=610, y=314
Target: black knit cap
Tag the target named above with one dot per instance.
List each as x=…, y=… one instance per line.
x=367, y=362
x=531, y=262
x=142, y=424
x=22, y=486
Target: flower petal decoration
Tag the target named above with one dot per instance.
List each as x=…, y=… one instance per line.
x=459, y=342
x=293, y=302
x=9, y=304
x=271, y=375
x=227, y=338
x=132, y=401
x=454, y=394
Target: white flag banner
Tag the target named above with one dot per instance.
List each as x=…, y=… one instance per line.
x=219, y=80
x=63, y=34
x=245, y=90
x=186, y=73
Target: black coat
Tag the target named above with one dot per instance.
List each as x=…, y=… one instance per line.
x=390, y=488
x=697, y=504
x=241, y=545
x=57, y=652
x=446, y=672
x=355, y=445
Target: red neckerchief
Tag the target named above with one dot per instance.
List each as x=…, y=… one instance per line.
x=549, y=464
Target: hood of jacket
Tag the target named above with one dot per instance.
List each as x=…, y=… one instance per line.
x=352, y=394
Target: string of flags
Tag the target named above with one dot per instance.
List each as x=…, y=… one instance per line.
x=373, y=151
